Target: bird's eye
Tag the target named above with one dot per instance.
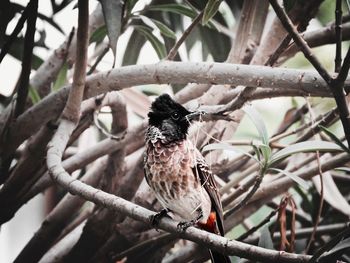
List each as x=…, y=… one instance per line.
x=175, y=116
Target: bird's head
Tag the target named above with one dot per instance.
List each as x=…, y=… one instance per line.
x=171, y=118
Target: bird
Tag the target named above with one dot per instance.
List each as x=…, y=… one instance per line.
x=177, y=172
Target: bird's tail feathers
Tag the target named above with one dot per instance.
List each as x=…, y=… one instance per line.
x=211, y=226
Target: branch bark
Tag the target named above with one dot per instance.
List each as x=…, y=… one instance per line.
x=162, y=73
x=231, y=247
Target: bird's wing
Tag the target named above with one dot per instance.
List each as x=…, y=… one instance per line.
x=207, y=180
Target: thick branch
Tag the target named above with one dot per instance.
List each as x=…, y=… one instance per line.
x=54, y=156
x=163, y=73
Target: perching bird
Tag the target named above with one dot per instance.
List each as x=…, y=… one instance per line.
x=178, y=173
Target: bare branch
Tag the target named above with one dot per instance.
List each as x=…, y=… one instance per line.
x=175, y=48
x=338, y=35
x=72, y=108
x=162, y=73
x=55, y=152
x=288, y=25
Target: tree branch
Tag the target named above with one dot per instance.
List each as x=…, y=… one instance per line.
x=72, y=109
x=163, y=73
x=288, y=25
x=54, y=156
x=175, y=48
x=338, y=35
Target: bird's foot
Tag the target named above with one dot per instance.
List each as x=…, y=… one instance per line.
x=183, y=225
x=154, y=219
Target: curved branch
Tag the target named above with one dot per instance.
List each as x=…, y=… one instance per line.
x=163, y=73
x=231, y=247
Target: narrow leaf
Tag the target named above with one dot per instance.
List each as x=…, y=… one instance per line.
x=266, y=152
x=331, y=193
x=308, y=146
x=259, y=123
x=224, y=146
x=130, y=5
x=335, y=138
x=155, y=42
x=343, y=169
x=34, y=95
x=112, y=12
x=265, y=239
x=99, y=34
x=210, y=10
x=133, y=48
x=174, y=8
x=294, y=177
x=343, y=245
x=61, y=79
x=164, y=29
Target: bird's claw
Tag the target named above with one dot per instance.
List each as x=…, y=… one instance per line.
x=154, y=219
x=183, y=225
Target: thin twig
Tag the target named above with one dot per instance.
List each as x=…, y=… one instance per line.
x=320, y=207
x=147, y=244
x=336, y=85
x=23, y=87
x=245, y=200
x=98, y=60
x=338, y=34
x=175, y=48
x=335, y=240
x=5, y=48
x=262, y=223
x=287, y=23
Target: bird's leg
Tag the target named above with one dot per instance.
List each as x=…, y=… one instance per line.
x=182, y=226
x=154, y=219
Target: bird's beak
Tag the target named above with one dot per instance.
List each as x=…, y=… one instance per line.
x=194, y=116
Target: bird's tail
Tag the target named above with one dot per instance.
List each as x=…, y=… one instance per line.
x=211, y=226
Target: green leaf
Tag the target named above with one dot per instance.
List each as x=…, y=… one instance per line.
x=334, y=138
x=265, y=239
x=34, y=95
x=210, y=10
x=133, y=48
x=99, y=34
x=308, y=146
x=174, y=8
x=61, y=79
x=112, y=13
x=155, y=42
x=257, y=151
x=259, y=123
x=294, y=177
x=130, y=5
x=266, y=152
x=164, y=29
x=289, y=4
x=340, y=248
x=343, y=169
x=224, y=146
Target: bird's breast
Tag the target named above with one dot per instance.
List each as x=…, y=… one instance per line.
x=170, y=168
